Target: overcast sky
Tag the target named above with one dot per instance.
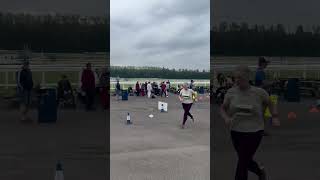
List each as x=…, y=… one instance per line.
x=287, y=12
x=83, y=7
x=164, y=33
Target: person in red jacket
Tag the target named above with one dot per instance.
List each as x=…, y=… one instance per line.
x=163, y=89
x=88, y=86
x=138, y=88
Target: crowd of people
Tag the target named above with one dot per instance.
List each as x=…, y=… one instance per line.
x=92, y=83
x=146, y=89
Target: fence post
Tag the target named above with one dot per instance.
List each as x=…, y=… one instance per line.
x=7, y=79
x=79, y=79
x=43, y=78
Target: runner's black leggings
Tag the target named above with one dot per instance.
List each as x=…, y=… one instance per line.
x=187, y=113
x=246, y=144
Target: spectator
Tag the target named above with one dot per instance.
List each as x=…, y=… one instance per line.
x=118, y=90
x=25, y=85
x=163, y=89
x=104, y=84
x=88, y=86
x=65, y=90
x=149, y=89
x=260, y=78
x=137, y=88
x=167, y=88
x=191, y=84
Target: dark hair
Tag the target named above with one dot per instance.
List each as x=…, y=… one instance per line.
x=262, y=60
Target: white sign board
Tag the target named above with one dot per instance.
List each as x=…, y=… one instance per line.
x=162, y=105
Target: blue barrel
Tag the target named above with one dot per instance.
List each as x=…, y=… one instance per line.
x=293, y=90
x=47, y=110
x=125, y=95
x=201, y=90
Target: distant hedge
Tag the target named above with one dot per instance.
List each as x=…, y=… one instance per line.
x=233, y=39
x=155, y=72
x=54, y=33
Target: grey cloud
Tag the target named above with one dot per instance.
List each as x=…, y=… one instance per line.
x=170, y=33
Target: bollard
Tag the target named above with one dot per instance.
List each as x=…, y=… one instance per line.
x=129, y=119
x=59, y=172
x=162, y=109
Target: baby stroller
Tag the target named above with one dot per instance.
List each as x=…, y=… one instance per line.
x=220, y=94
x=130, y=91
x=66, y=97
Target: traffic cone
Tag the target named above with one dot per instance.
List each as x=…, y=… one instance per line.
x=314, y=109
x=292, y=115
x=59, y=172
x=129, y=119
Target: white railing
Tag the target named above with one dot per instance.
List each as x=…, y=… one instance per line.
x=125, y=84
x=6, y=69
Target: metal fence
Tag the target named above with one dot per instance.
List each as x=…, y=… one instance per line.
x=7, y=70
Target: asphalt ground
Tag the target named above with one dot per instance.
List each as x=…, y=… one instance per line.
x=290, y=152
x=156, y=148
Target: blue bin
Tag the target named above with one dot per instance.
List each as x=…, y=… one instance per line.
x=293, y=90
x=48, y=110
x=201, y=90
x=125, y=95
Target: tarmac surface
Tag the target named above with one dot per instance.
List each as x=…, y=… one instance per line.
x=153, y=148
x=31, y=151
x=291, y=152
x=149, y=149
x=156, y=148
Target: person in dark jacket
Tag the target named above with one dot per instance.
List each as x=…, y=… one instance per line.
x=118, y=90
x=25, y=85
x=89, y=86
x=138, y=88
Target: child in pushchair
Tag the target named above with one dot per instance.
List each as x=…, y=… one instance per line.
x=65, y=93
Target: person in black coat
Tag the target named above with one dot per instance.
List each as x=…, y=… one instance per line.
x=25, y=85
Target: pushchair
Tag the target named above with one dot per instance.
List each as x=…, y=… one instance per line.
x=220, y=94
x=66, y=97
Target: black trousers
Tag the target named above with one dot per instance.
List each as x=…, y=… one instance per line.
x=163, y=92
x=187, y=113
x=246, y=145
x=90, y=95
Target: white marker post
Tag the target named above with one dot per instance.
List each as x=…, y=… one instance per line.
x=128, y=119
x=59, y=172
x=162, y=106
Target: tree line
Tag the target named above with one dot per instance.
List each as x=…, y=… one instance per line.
x=233, y=39
x=157, y=72
x=54, y=33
